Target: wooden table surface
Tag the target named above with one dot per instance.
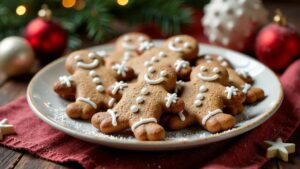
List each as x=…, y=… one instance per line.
x=11, y=89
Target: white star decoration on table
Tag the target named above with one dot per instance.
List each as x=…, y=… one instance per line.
x=280, y=149
x=5, y=128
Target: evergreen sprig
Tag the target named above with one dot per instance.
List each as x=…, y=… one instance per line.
x=97, y=19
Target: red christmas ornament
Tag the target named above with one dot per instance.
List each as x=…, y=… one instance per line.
x=278, y=44
x=47, y=38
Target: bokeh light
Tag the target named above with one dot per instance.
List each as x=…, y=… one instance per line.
x=68, y=3
x=122, y=2
x=21, y=10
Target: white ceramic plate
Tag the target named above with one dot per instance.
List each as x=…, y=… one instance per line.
x=50, y=108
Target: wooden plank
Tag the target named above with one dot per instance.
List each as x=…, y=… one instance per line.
x=9, y=158
x=271, y=164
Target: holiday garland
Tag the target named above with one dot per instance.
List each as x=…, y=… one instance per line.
x=97, y=19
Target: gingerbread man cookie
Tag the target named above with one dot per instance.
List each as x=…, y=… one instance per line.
x=185, y=45
x=238, y=78
x=88, y=83
x=161, y=56
x=141, y=104
x=205, y=98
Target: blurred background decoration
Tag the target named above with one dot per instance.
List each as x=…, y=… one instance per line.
x=98, y=20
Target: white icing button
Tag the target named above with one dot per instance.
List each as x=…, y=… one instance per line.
x=139, y=99
x=96, y=80
x=162, y=54
x=154, y=59
x=145, y=91
x=225, y=64
x=100, y=88
x=200, y=96
x=134, y=108
x=151, y=70
x=220, y=58
x=216, y=70
x=163, y=73
x=92, y=55
x=93, y=73
x=203, y=68
x=203, y=88
x=197, y=103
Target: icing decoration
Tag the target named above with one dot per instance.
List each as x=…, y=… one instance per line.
x=178, y=40
x=118, y=86
x=126, y=56
x=197, y=103
x=65, y=80
x=100, y=88
x=172, y=47
x=134, y=108
x=209, y=115
x=216, y=70
x=143, y=121
x=242, y=73
x=145, y=91
x=111, y=102
x=146, y=45
x=91, y=65
x=127, y=38
x=77, y=58
x=181, y=116
x=207, y=57
x=207, y=78
x=179, y=64
x=155, y=59
x=141, y=38
x=203, y=89
x=88, y=101
x=179, y=86
x=186, y=45
x=230, y=91
x=280, y=149
x=148, y=63
x=151, y=70
x=5, y=128
x=102, y=53
x=162, y=54
x=224, y=63
x=113, y=116
x=170, y=98
x=96, y=80
x=93, y=73
x=155, y=81
x=92, y=55
x=220, y=58
x=127, y=44
x=121, y=69
x=139, y=99
x=200, y=96
x=246, y=87
x=203, y=68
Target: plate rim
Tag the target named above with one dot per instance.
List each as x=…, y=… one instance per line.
x=154, y=145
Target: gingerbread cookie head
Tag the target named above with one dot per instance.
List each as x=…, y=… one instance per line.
x=132, y=42
x=210, y=72
x=159, y=75
x=186, y=45
x=83, y=59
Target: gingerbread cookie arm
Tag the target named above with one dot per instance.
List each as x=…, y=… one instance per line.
x=65, y=87
x=173, y=104
x=122, y=72
x=116, y=90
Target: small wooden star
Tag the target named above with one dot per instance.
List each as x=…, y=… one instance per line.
x=280, y=149
x=5, y=128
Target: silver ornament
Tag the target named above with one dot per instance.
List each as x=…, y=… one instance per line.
x=16, y=56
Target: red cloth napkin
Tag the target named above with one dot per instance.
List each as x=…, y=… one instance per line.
x=244, y=151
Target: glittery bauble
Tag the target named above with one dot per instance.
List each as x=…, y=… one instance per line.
x=47, y=38
x=232, y=23
x=16, y=56
x=277, y=45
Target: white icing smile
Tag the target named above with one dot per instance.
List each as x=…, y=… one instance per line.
x=91, y=65
x=161, y=78
x=207, y=78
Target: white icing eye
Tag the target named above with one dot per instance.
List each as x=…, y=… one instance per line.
x=203, y=68
x=100, y=88
x=186, y=45
x=134, y=108
x=127, y=38
x=207, y=57
x=220, y=58
x=154, y=59
x=178, y=40
x=93, y=73
x=216, y=70
x=151, y=70
x=163, y=73
x=147, y=63
x=141, y=38
x=92, y=55
x=162, y=55
x=77, y=58
x=144, y=91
